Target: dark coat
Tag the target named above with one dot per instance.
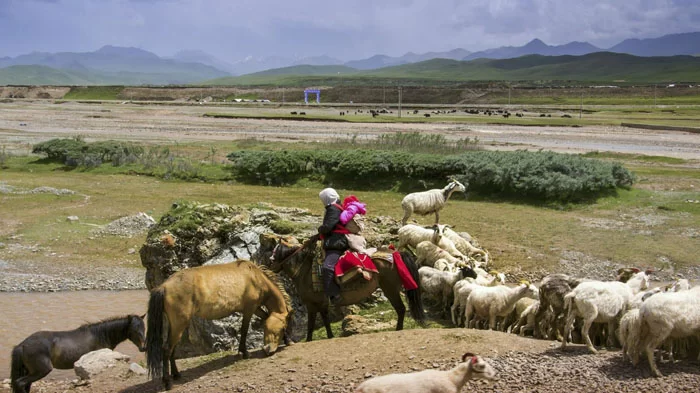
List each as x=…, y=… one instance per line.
x=332, y=240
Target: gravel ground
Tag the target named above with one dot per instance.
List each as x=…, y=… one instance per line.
x=338, y=365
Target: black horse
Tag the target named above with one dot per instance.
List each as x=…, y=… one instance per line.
x=43, y=351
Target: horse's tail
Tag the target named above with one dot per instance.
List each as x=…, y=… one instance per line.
x=17, y=369
x=415, y=301
x=154, y=333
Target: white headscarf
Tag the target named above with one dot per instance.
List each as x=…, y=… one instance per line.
x=328, y=196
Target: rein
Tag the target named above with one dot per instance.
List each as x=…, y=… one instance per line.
x=295, y=272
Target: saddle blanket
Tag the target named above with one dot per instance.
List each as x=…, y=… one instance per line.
x=351, y=264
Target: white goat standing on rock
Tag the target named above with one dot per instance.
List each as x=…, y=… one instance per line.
x=427, y=202
x=431, y=381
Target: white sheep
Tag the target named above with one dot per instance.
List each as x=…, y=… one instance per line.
x=514, y=317
x=464, y=246
x=601, y=301
x=681, y=284
x=439, y=284
x=461, y=291
x=427, y=254
x=411, y=235
x=427, y=202
x=526, y=320
x=499, y=301
x=431, y=381
x=629, y=330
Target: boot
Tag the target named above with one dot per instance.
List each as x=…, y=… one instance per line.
x=331, y=288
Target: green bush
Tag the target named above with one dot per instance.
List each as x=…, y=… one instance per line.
x=76, y=152
x=544, y=176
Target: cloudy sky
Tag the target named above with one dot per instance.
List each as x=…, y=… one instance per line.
x=347, y=30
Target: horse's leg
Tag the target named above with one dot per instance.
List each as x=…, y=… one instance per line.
x=310, y=325
x=244, y=333
x=392, y=293
x=39, y=368
x=177, y=327
x=327, y=323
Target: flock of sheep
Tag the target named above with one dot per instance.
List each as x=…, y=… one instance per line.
x=455, y=273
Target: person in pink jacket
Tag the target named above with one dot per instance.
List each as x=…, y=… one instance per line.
x=351, y=207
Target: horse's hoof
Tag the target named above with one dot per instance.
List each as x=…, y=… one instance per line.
x=245, y=355
x=177, y=376
x=168, y=385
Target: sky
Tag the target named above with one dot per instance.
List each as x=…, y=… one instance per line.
x=347, y=30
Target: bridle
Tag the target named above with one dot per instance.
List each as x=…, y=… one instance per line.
x=295, y=271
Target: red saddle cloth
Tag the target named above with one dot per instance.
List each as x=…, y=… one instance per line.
x=351, y=263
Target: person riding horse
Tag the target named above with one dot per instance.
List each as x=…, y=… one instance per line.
x=335, y=243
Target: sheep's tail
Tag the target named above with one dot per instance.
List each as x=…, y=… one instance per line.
x=415, y=301
x=154, y=333
x=17, y=369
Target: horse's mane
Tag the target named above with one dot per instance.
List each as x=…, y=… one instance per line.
x=88, y=325
x=108, y=329
x=278, y=283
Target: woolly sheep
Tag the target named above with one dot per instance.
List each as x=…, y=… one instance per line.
x=461, y=291
x=431, y=381
x=464, y=246
x=427, y=254
x=628, y=332
x=427, y=202
x=499, y=301
x=411, y=235
x=601, y=301
x=439, y=284
x=553, y=288
x=526, y=319
x=520, y=306
x=668, y=315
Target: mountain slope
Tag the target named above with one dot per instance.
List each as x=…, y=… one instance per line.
x=534, y=47
x=668, y=45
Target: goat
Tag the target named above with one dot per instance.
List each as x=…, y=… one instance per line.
x=601, y=301
x=499, y=301
x=431, y=381
x=668, y=314
x=427, y=202
x=553, y=288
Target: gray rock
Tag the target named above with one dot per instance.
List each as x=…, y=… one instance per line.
x=72, y=218
x=137, y=369
x=94, y=363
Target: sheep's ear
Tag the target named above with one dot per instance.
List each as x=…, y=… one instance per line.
x=635, y=270
x=468, y=355
x=650, y=271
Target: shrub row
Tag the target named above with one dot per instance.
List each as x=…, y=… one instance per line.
x=76, y=152
x=545, y=176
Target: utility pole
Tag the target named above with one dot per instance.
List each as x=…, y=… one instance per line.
x=509, y=94
x=283, y=95
x=384, y=95
x=399, y=101
x=580, y=111
x=654, y=94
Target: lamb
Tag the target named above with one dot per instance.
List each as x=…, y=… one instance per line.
x=601, y=301
x=438, y=284
x=520, y=306
x=461, y=291
x=526, y=320
x=499, y=301
x=427, y=202
x=411, y=235
x=464, y=246
x=428, y=254
x=668, y=314
x=628, y=332
x=431, y=381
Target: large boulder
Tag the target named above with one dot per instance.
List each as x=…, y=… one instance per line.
x=195, y=234
x=95, y=362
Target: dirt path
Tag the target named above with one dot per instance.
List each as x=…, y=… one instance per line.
x=338, y=365
x=29, y=122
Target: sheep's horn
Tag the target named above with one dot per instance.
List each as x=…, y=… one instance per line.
x=467, y=355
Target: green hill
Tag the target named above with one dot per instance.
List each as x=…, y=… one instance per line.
x=594, y=67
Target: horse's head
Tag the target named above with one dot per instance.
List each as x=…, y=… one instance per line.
x=284, y=251
x=273, y=332
x=137, y=331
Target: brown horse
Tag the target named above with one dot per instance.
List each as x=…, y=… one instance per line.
x=213, y=292
x=297, y=259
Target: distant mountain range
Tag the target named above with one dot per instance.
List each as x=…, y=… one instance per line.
x=119, y=65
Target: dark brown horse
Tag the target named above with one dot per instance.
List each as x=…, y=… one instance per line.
x=212, y=292
x=297, y=259
x=38, y=354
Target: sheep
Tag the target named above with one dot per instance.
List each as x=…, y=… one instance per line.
x=553, y=288
x=464, y=246
x=431, y=381
x=601, y=301
x=628, y=332
x=485, y=278
x=439, y=284
x=461, y=291
x=514, y=315
x=681, y=284
x=526, y=319
x=411, y=235
x=427, y=202
x=427, y=254
x=496, y=301
x=668, y=314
